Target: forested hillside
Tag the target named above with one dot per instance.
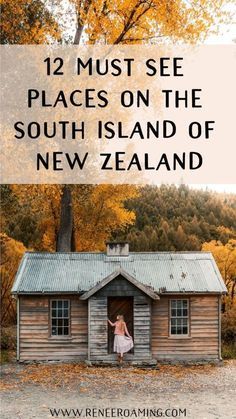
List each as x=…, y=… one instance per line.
x=179, y=218
x=151, y=219
x=161, y=218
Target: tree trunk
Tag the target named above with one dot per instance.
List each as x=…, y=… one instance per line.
x=64, y=238
x=80, y=24
x=232, y=293
x=78, y=34
x=66, y=234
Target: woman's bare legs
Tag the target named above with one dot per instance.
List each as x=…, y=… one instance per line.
x=120, y=358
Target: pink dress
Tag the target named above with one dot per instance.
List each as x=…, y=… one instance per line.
x=122, y=343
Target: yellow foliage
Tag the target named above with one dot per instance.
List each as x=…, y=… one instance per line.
x=11, y=254
x=27, y=22
x=225, y=256
x=135, y=21
x=97, y=217
x=97, y=210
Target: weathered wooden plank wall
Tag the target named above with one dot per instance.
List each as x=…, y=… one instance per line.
x=142, y=327
x=98, y=339
x=119, y=287
x=98, y=333
x=203, y=342
x=35, y=340
x=151, y=328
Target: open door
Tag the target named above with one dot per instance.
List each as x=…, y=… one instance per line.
x=115, y=306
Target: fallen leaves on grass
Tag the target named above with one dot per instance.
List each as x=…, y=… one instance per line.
x=82, y=377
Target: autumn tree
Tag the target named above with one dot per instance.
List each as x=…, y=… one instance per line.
x=225, y=256
x=118, y=22
x=97, y=211
x=11, y=254
x=138, y=21
x=63, y=212
x=135, y=21
x=64, y=240
x=27, y=22
x=228, y=326
x=17, y=219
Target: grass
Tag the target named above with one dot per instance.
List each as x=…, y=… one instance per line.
x=7, y=356
x=228, y=350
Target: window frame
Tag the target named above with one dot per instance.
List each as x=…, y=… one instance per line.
x=182, y=335
x=69, y=319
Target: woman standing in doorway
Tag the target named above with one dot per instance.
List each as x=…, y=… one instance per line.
x=123, y=342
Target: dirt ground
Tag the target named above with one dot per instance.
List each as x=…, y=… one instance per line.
x=30, y=391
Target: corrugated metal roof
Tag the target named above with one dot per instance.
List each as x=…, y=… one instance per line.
x=78, y=272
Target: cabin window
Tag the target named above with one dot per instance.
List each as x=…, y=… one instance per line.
x=60, y=317
x=179, y=317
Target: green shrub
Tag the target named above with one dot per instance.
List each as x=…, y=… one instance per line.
x=7, y=356
x=228, y=351
x=228, y=326
x=8, y=338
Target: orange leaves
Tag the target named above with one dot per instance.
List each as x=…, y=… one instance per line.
x=27, y=22
x=86, y=379
x=4, y=386
x=11, y=254
x=48, y=239
x=43, y=202
x=225, y=256
x=111, y=22
x=97, y=210
x=137, y=21
x=100, y=214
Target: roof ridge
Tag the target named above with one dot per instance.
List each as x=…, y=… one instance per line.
x=131, y=253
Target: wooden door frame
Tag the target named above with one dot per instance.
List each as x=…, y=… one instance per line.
x=131, y=330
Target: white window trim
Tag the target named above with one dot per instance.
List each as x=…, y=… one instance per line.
x=182, y=336
x=69, y=318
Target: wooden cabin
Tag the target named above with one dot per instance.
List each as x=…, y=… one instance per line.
x=171, y=303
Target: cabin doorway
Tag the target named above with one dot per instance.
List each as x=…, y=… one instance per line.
x=120, y=305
